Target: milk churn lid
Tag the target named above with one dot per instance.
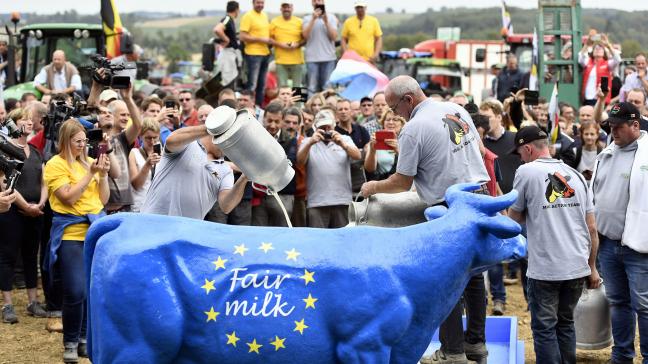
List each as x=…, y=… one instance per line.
x=220, y=119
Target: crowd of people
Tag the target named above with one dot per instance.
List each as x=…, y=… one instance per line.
x=581, y=198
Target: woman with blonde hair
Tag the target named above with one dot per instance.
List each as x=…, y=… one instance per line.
x=382, y=163
x=142, y=161
x=316, y=102
x=78, y=190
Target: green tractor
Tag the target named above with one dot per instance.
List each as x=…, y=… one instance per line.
x=34, y=44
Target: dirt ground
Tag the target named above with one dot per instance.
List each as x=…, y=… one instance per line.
x=29, y=342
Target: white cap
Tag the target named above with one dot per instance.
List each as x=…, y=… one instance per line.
x=324, y=117
x=360, y=3
x=107, y=95
x=220, y=119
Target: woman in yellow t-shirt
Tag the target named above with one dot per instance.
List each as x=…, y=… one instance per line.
x=78, y=189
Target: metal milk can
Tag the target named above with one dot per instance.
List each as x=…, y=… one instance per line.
x=592, y=320
x=388, y=210
x=246, y=143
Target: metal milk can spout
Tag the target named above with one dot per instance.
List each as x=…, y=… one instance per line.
x=246, y=143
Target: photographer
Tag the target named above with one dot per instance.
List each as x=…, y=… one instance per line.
x=142, y=161
x=78, y=189
x=169, y=117
x=23, y=223
x=327, y=156
x=122, y=138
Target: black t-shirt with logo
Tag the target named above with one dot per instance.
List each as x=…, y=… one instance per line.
x=230, y=31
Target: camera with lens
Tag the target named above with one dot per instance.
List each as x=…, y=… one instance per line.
x=12, y=129
x=61, y=111
x=109, y=78
x=11, y=163
x=327, y=135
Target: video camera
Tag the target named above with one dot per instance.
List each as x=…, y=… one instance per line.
x=60, y=111
x=12, y=129
x=11, y=163
x=109, y=78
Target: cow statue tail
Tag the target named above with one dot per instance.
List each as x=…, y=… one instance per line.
x=96, y=231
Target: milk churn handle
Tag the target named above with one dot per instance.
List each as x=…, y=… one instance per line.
x=363, y=219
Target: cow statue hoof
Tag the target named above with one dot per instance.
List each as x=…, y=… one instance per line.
x=167, y=289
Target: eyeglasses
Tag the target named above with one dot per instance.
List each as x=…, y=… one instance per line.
x=393, y=108
x=183, y=100
x=81, y=141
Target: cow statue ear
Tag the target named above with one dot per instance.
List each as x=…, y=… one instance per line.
x=435, y=212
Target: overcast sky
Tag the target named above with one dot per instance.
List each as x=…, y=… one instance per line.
x=192, y=6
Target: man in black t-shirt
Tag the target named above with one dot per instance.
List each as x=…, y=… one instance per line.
x=229, y=59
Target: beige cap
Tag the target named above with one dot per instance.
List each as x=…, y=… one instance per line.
x=324, y=117
x=107, y=95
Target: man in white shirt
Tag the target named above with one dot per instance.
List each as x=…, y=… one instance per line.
x=58, y=77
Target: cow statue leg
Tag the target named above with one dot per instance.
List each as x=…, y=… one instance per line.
x=134, y=324
x=373, y=342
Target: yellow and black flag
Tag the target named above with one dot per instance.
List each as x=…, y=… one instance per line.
x=112, y=27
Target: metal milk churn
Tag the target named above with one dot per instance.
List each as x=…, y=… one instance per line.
x=246, y=143
x=388, y=210
x=592, y=320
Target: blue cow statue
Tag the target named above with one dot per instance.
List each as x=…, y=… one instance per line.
x=174, y=290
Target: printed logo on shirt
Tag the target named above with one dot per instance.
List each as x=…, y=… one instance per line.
x=558, y=187
x=456, y=127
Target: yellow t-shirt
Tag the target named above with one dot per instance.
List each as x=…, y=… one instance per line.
x=257, y=25
x=285, y=31
x=361, y=35
x=59, y=173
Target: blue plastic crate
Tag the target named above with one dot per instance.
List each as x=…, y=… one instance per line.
x=501, y=341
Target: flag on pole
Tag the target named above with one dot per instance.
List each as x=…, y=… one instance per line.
x=112, y=27
x=533, y=78
x=507, y=26
x=554, y=115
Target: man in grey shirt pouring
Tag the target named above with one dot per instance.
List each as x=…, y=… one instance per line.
x=439, y=147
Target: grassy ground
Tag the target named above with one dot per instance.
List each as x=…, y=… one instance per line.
x=29, y=342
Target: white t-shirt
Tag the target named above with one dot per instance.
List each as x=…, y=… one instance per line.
x=140, y=194
x=328, y=173
x=60, y=82
x=187, y=184
x=439, y=147
x=556, y=201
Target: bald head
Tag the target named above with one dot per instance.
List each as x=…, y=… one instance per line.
x=403, y=85
x=586, y=113
x=402, y=95
x=58, y=59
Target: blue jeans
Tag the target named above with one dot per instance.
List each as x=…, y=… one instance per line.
x=625, y=272
x=318, y=75
x=257, y=68
x=552, y=305
x=70, y=260
x=496, y=279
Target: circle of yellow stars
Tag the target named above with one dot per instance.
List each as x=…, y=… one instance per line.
x=278, y=343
